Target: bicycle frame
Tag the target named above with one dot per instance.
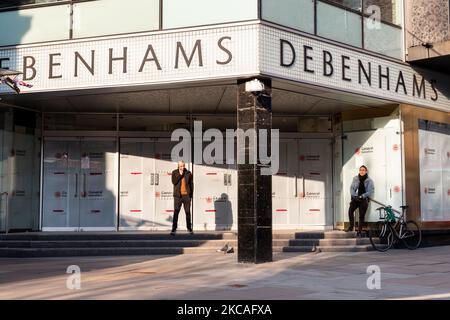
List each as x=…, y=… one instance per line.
x=390, y=218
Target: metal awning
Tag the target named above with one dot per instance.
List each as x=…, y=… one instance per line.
x=7, y=72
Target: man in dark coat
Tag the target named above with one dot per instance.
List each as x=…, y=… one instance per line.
x=183, y=188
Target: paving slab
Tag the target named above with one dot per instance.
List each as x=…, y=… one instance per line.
x=405, y=274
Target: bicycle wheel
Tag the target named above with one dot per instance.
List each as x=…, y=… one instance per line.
x=381, y=236
x=411, y=235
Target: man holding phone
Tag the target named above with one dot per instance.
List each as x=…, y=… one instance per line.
x=183, y=188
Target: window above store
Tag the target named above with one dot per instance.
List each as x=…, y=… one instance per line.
x=351, y=4
x=374, y=25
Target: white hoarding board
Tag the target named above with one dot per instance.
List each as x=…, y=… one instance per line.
x=434, y=158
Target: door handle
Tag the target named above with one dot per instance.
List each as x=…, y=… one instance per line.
x=76, y=185
x=304, y=191
x=296, y=191
x=84, y=185
x=227, y=179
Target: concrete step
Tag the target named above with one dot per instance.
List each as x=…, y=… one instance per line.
x=325, y=235
x=358, y=248
x=138, y=235
x=330, y=242
x=283, y=235
x=73, y=252
x=115, y=243
x=299, y=249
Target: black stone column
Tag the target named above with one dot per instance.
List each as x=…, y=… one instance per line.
x=254, y=189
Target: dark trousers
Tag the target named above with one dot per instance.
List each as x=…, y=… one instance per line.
x=186, y=202
x=355, y=204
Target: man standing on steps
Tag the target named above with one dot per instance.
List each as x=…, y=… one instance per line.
x=183, y=188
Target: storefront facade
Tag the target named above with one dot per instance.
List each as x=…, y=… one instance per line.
x=96, y=155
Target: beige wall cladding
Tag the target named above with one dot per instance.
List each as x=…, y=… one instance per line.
x=427, y=21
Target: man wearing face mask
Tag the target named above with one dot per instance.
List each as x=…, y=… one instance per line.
x=361, y=189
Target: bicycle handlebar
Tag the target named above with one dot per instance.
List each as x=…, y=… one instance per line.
x=382, y=204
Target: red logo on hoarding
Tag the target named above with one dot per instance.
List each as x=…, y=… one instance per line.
x=301, y=194
x=358, y=151
x=57, y=194
x=157, y=194
x=426, y=190
x=395, y=147
x=448, y=154
x=448, y=192
x=209, y=200
x=397, y=189
x=302, y=158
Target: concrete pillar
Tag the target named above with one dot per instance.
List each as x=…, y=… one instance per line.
x=254, y=190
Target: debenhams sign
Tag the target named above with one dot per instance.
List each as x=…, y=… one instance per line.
x=219, y=53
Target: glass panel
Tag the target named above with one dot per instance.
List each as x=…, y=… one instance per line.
x=34, y=25
x=338, y=24
x=352, y=4
x=297, y=14
x=98, y=184
x=390, y=10
x=136, y=15
x=61, y=189
x=19, y=170
x=385, y=40
x=182, y=13
x=6, y=127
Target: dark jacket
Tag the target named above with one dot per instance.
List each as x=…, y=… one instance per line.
x=176, y=181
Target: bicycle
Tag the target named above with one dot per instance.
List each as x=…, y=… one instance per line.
x=391, y=229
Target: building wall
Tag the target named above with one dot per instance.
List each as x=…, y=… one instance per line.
x=427, y=21
x=410, y=116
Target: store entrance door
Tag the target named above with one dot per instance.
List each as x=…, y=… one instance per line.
x=80, y=178
x=146, y=190
x=302, y=188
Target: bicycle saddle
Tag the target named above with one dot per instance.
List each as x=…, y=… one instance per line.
x=404, y=207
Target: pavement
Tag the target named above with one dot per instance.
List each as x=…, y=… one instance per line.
x=404, y=274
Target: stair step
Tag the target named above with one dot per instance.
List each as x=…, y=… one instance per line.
x=325, y=235
x=116, y=236
x=361, y=248
x=299, y=249
x=70, y=252
x=115, y=243
x=330, y=242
